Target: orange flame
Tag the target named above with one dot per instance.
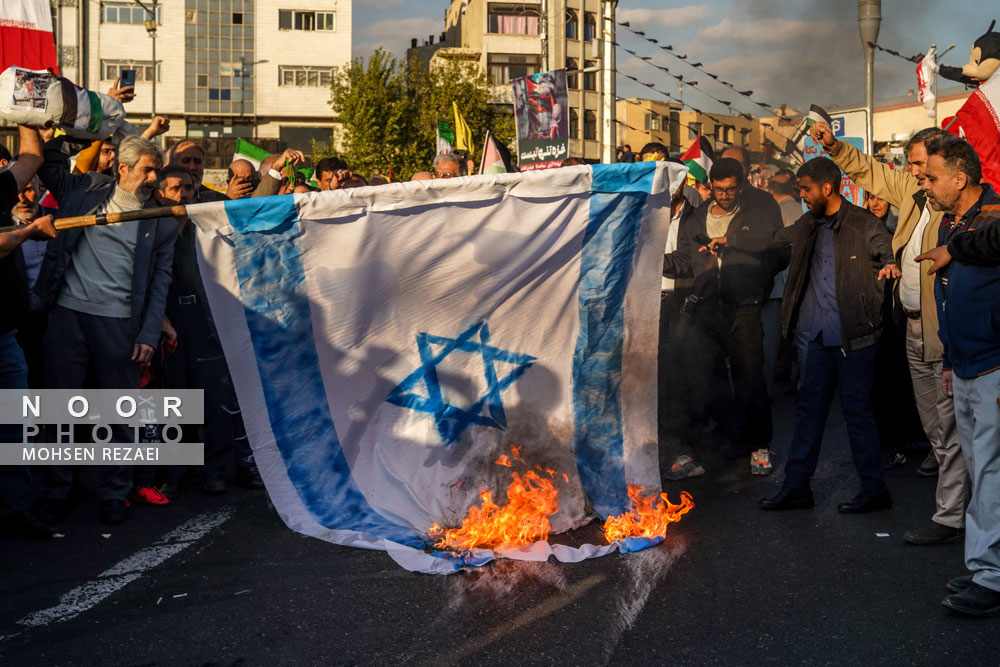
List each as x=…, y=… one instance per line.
x=649, y=516
x=504, y=460
x=531, y=500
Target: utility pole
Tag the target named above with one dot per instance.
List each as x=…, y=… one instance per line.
x=150, y=24
x=869, y=20
x=608, y=91
x=543, y=33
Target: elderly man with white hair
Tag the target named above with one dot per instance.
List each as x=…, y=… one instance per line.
x=449, y=165
x=107, y=287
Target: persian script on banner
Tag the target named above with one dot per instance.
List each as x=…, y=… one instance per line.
x=390, y=344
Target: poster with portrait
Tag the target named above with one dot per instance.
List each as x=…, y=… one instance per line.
x=541, y=108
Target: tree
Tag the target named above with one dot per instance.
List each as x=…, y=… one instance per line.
x=466, y=83
x=375, y=112
x=389, y=112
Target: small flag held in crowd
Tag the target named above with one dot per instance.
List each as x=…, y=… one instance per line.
x=496, y=157
x=698, y=160
x=926, y=71
x=247, y=151
x=818, y=115
x=445, y=137
x=463, y=135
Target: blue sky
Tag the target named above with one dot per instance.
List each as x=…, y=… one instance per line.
x=796, y=52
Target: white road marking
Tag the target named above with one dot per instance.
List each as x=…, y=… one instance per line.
x=88, y=595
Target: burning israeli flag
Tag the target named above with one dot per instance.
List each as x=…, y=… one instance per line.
x=400, y=351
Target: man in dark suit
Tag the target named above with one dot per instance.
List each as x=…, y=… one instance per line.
x=834, y=295
x=107, y=287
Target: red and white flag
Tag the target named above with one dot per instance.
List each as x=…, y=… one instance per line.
x=926, y=71
x=26, y=35
x=978, y=122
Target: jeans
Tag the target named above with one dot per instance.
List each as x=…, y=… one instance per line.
x=826, y=369
x=978, y=417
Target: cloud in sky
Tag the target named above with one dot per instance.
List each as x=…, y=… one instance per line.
x=394, y=35
x=677, y=17
x=795, y=52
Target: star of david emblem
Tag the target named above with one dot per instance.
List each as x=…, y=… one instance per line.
x=452, y=420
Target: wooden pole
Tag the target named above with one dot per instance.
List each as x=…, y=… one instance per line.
x=112, y=218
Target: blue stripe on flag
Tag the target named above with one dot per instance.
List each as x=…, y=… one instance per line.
x=613, y=178
x=616, y=204
x=273, y=293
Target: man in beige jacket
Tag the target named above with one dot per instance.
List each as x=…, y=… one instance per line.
x=916, y=233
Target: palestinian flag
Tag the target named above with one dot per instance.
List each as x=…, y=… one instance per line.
x=818, y=115
x=26, y=35
x=698, y=159
x=496, y=157
x=247, y=151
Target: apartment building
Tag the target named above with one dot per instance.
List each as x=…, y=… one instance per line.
x=515, y=38
x=256, y=69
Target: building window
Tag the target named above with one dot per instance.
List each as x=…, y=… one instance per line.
x=110, y=69
x=511, y=20
x=694, y=130
x=589, y=27
x=308, y=77
x=294, y=19
x=652, y=122
x=574, y=124
x=589, y=78
x=503, y=67
x=571, y=73
x=237, y=18
x=589, y=125
x=127, y=12
x=572, y=25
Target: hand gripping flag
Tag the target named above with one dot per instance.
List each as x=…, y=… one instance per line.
x=388, y=344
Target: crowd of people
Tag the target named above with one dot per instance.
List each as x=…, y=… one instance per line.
x=890, y=305
x=755, y=282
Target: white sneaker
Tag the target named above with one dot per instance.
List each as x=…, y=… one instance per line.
x=684, y=466
x=760, y=462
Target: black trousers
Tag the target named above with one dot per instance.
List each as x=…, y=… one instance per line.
x=718, y=334
x=199, y=363
x=671, y=384
x=82, y=350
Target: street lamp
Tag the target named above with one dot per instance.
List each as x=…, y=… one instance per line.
x=869, y=20
x=150, y=24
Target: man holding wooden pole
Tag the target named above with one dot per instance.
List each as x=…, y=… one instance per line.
x=107, y=286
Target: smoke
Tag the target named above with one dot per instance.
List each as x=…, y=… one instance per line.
x=643, y=572
x=502, y=585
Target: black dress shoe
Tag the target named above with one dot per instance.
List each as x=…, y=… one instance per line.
x=53, y=510
x=934, y=533
x=114, y=511
x=29, y=525
x=214, y=486
x=249, y=478
x=861, y=504
x=170, y=489
x=788, y=499
x=959, y=584
x=976, y=600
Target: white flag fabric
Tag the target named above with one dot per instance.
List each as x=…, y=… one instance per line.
x=389, y=343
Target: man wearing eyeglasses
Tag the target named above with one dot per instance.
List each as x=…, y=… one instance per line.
x=724, y=311
x=448, y=165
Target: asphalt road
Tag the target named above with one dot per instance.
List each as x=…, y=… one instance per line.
x=221, y=581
